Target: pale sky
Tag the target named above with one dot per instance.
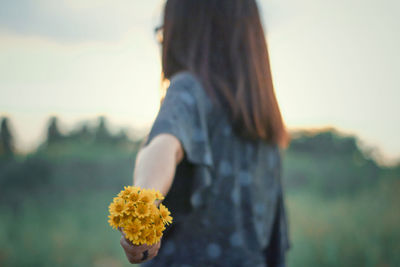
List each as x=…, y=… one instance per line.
x=335, y=63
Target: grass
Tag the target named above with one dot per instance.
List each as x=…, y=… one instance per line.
x=71, y=233
x=358, y=230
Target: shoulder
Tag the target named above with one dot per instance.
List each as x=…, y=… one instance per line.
x=185, y=78
x=190, y=87
x=189, y=81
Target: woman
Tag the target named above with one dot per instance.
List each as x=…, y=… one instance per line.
x=213, y=149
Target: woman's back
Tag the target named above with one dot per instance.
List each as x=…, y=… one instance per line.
x=226, y=195
x=226, y=192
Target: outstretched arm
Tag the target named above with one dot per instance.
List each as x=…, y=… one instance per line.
x=154, y=168
x=156, y=163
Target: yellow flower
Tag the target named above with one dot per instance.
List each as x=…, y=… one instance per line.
x=135, y=211
x=118, y=207
x=159, y=233
x=117, y=198
x=157, y=220
x=125, y=219
x=157, y=194
x=159, y=228
x=132, y=231
x=149, y=236
x=146, y=196
x=154, y=210
x=133, y=196
x=114, y=221
x=125, y=193
x=164, y=212
x=130, y=208
x=142, y=210
x=146, y=221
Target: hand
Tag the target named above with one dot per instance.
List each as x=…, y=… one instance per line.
x=138, y=253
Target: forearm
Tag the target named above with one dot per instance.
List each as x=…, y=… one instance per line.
x=156, y=163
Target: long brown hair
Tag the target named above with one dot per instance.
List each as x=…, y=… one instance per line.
x=223, y=42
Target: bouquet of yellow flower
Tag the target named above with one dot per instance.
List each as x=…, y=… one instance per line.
x=135, y=211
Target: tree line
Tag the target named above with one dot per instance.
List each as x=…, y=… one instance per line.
x=84, y=133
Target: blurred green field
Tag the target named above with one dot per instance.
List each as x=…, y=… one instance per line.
x=361, y=230
x=358, y=230
x=343, y=206
x=69, y=232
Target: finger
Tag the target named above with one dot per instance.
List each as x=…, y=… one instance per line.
x=133, y=259
x=129, y=247
x=158, y=244
x=148, y=257
x=155, y=248
x=140, y=258
x=134, y=253
x=153, y=251
x=152, y=254
x=132, y=256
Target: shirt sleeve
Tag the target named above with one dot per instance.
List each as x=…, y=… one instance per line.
x=183, y=114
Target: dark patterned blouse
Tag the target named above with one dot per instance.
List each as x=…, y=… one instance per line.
x=226, y=198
